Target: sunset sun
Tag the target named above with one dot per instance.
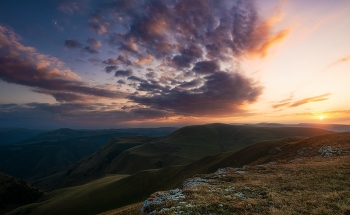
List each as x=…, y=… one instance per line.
x=320, y=117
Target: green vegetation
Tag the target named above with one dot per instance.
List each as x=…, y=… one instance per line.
x=93, y=166
x=299, y=181
x=141, y=185
x=191, y=143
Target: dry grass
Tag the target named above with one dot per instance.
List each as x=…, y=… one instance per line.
x=314, y=185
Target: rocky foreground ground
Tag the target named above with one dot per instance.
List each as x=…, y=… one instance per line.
x=308, y=180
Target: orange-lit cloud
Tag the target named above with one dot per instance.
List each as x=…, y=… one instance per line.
x=342, y=60
x=311, y=99
x=288, y=102
x=264, y=37
x=145, y=60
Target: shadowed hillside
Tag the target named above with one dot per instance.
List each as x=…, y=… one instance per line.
x=55, y=151
x=139, y=186
x=16, y=192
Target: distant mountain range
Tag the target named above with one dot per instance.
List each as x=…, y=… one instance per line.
x=14, y=135
x=330, y=127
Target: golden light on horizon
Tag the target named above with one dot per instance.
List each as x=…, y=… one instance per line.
x=320, y=117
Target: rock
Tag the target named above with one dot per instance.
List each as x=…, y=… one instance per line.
x=240, y=172
x=193, y=183
x=327, y=151
x=225, y=170
x=274, y=151
x=302, y=151
x=161, y=197
x=164, y=210
x=240, y=194
x=221, y=205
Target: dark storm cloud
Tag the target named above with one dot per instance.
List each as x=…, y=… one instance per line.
x=72, y=44
x=221, y=93
x=123, y=73
x=206, y=67
x=91, y=50
x=110, y=69
x=24, y=66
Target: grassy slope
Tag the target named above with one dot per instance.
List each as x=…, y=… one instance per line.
x=15, y=192
x=194, y=142
x=93, y=166
x=182, y=146
x=139, y=186
x=299, y=183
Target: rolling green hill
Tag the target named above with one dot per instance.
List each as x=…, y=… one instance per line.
x=16, y=192
x=55, y=151
x=91, y=167
x=191, y=143
x=139, y=186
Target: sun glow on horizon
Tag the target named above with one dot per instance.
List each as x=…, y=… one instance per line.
x=320, y=117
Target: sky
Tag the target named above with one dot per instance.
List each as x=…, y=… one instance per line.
x=151, y=63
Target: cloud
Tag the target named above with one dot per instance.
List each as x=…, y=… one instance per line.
x=123, y=73
x=98, y=23
x=80, y=115
x=110, y=69
x=72, y=44
x=221, y=93
x=121, y=82
x=191, y=84
x=342, y=60
x=93, y=42
x=120, y=60
x=145, y=60
x=134, y=78
x=71, y=7
x=91, y=50
x=206, y=67
x=282, y=104
x=23, y=65
x=319, y=98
